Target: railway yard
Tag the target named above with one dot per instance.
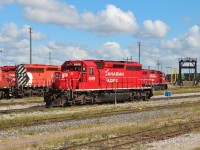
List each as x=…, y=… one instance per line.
x=161, y=123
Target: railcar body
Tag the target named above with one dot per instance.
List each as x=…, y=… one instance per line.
x=155, y=78
x=32, y=79
x=97, y=81
x=26, y=79
x=7, y=80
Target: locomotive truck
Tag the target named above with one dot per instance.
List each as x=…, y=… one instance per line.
x=26, y=79
x=97, y=81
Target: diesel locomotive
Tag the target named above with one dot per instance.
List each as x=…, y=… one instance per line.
x=26, y=79
x=97, y=81
x=155, y=78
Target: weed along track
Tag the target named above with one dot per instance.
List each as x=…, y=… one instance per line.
x=9, y=107
x=42, y=107
x=61, y=128
x=82, y=116
x=35, y=108
x=129, y=140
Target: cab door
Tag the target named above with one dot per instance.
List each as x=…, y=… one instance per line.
x=84, y=74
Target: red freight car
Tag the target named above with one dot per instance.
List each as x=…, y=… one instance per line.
x=31, y=79
x=155, y=78
x=7, y=80
x=95, y=81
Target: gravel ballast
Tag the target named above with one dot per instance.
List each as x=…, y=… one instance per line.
x=34, y=134
x=183, y=142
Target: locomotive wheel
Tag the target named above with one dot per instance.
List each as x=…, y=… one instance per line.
x=144, y=98
x=138, y=97
x=49, y=104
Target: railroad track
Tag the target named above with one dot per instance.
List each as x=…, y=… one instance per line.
x=175, y=97
x=43, y=107
x=9, y=111
x=127, y=141
x=98, y=115
x=20, y=103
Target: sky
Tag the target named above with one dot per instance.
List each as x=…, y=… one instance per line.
x=107, y=30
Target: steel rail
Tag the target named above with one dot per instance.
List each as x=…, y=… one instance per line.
x=101, y=114
x=139, y=137
x=39, y=107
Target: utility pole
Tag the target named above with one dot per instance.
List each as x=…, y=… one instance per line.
x=30, y=31
x=139, y=44
x=49, y=58
x=159, y=63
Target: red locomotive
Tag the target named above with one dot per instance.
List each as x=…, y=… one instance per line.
x=97, y=81
x=26, y=79
x=31, y=79
x=7, y=80
x=155, y=78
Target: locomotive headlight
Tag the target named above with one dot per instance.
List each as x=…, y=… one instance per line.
x=57, y=75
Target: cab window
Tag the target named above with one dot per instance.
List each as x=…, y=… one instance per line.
x=91, y=71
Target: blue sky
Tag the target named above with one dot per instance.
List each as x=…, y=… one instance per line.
x=108, y=29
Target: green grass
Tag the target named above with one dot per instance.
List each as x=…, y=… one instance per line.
x=26, y=121
x=110, y=132
x=29, y=120
x=180, y=90
x=96, y=132
x=22, y=100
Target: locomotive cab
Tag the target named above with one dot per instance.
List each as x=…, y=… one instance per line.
x=76, y=75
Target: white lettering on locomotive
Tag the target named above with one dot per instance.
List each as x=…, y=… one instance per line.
x=77, y=64
x=91, y=78
x=114, y=73
x=11, y=77
x=152, y=76
x=111, y=80
x=64, y=75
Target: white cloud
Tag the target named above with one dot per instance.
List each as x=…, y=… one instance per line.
x=188, y=41
x=6, y=2
x=112, y=20
x=11, y=32
x=15, y=43
x=154, y=29
x=111, y=51
x=62, y=52
x=193, y=37
x=186, y=45
x=172, y=44
x=50, y=11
